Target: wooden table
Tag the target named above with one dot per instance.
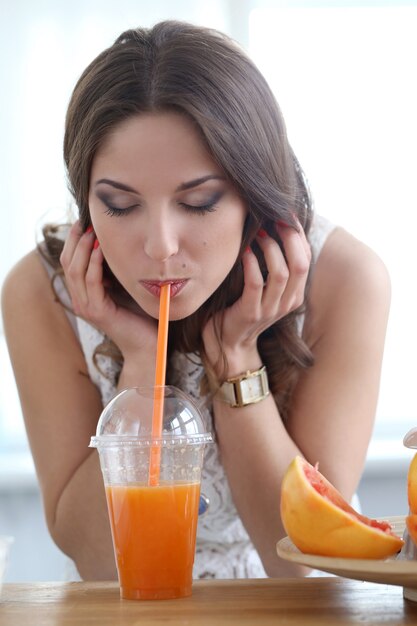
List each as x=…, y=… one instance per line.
x=290, y=602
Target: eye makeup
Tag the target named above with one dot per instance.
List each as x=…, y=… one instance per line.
x=205, y=207
x=119, y=212
x=197, y=208
x=110, y=202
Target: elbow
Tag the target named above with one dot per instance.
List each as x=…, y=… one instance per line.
x=87, y=545
x=92, y=561
x=275, y=567
x=284, y=569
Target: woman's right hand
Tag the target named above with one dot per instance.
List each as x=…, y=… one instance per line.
x=82, y=261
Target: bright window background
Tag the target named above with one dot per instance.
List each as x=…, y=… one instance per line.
x=345, y=79
x=44, y=48
x=344, y=75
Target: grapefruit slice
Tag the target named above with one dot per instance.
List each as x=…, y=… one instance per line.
x=319, y=521
x=411, y=520
x=411, y=523
x=412, y=485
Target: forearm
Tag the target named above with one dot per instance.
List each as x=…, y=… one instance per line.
x=79, y=523
x=256, y=450
x=138, y=371
x=81, y=527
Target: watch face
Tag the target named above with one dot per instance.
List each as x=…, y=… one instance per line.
x=246, y=389
x=251, y=389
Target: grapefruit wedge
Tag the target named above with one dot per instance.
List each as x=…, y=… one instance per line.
x=319, y=521
x=412, y=485
x=411, y=523
x=411, y=520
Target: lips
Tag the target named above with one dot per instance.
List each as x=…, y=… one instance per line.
x=154, y=286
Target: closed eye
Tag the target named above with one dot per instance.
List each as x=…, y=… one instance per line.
x=201, y=209
x=118, y=212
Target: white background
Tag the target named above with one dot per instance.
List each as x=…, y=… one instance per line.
x=344, y=75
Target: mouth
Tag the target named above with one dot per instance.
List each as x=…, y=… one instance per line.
x=154, y=286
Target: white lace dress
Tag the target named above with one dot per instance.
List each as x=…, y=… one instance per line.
x=224, y=549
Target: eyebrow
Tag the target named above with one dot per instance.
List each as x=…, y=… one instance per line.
x=183, y=187
x=199, y=181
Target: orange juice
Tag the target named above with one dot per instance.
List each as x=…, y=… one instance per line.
x=154, y=531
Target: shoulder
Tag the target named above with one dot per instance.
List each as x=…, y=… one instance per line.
x=25, y=283
x=350, y=278
x=30, y=306
x=345, y=258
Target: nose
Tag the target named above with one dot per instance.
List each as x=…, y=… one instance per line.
x=161, y=237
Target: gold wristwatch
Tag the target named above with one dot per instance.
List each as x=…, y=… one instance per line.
x=247, y=388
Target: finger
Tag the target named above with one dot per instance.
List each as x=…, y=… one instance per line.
x=295, y=243
x=278, y=275
x=70, y=244
x=74, y=239
x=304, y=240
x=98, y=298
x=298, y=256
x=251, y=298
x=76, y=268
x=282, y=226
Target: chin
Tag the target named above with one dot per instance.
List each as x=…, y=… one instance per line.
x=183, y=307
x=176, y=317
x=177, y=311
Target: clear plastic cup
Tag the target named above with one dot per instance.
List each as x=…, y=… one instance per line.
x=153, y=526
x=5, y=543
x=409, y=549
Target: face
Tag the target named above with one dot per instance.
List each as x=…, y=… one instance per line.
x=163, y=211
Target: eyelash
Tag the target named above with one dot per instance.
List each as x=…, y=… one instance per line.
x=198, y=210
x=115, y=212
x=201, y=209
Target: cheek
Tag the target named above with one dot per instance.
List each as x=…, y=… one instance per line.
x=221, y=249
x=229, y=238
x=115, y=252
x=112, y=234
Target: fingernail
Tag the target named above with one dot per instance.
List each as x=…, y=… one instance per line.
x=262, y=233
x=89, y=229
x=282, y=224
x=248, y=249
x=96, y=244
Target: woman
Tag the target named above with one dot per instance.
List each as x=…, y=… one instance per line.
x=179, y=163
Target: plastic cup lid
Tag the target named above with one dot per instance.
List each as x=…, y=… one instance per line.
x=410, y=439
x=127, y=420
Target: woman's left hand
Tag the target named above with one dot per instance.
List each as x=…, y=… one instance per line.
x=261, y=303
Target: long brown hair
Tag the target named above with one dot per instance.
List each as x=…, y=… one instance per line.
x=206, y=76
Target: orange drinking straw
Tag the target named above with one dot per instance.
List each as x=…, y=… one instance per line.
x=158, y=400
